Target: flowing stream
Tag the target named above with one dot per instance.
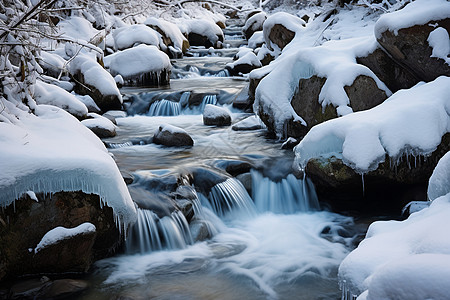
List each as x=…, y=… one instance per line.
x=261, y=235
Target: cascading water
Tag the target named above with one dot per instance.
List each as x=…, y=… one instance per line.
x=208, y=99
x=151, y=233
x=290, y=195
x=228, y=196
x=164, y=108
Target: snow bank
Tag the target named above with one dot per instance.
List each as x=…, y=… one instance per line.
x=439, y=184
x=133, y=62
x=418, y=12
x=77, y=28
x=94, y=75
x=50, y=94
x=58, y=234
x=409, y=122
x=403, y=260
x=170, y=30
x=128, y=36
x=51, y=152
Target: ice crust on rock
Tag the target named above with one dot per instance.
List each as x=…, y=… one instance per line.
x=52, y=151
x=362, y=139
x=59, y=234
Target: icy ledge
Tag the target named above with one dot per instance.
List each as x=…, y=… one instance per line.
x=410, y=122
x=51, y=152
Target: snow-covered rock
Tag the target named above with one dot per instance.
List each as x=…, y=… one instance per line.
x=172, y=136
x=413, y=38
x=402, y=260
x=280, y=28
x=171, y=34
x=100, y=125
x=140, y=65
x=52, y=63
x=95, y=82
x=244, y=65
x=89, y=102
x=52, y=151
x=363, y=139
x=256, y=40
x=253, y=24
x=50, y=94
x=215, y=115
x=250, y=123
x=202, y=32
x=130, y=36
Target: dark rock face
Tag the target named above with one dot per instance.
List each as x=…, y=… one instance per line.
x=26, y=221
x=410, y=49
x=44, y=288
x=172, y=138
x=281, y=36
x=363, y=94
x=389, y=187
x=196, y=39
x=388, y=71
x=102, y=132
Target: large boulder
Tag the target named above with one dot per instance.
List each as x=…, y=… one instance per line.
x=130, y=36
x=385, y=190
x=280, y=29
x=141, y=65
x=26, y=221
x=407, y=34
x=172, y=136
x=363, y=94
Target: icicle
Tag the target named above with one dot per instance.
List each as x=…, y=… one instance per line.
x=362, y=180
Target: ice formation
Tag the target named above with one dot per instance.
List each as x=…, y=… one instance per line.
x=440, y=42
x=363, y=139
x=439, y=184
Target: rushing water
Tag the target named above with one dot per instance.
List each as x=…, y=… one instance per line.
x=273, y=244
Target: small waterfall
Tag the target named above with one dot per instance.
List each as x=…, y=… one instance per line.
x=228, y=196
x=151, y=233
x=164, y=108
x=208, y=99
x=290, y=195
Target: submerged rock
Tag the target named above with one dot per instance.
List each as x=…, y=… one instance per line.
x=172, y=136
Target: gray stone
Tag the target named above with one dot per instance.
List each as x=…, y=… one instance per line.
x=172, y=138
